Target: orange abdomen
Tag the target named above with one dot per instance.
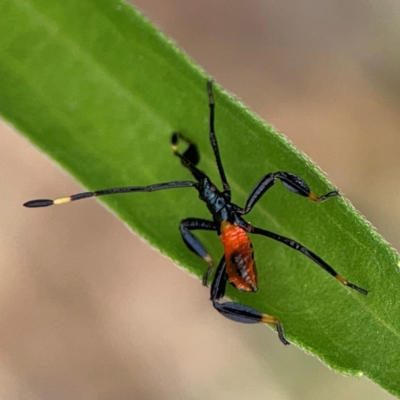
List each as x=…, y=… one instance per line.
x=239, y=257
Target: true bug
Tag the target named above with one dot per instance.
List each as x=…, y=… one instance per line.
x=237, y=265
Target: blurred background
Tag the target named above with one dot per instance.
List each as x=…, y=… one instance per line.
x=96, y=314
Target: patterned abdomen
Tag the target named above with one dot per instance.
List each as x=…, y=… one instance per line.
x=239, y=257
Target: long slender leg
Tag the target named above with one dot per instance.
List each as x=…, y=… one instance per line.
x=308, y=253
x=194, y=244
x=219, y=282
x=104, y=192
x=236, y=311
x=291, y=182
x=214, y=142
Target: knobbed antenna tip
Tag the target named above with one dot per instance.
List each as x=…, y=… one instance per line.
x=39, y=203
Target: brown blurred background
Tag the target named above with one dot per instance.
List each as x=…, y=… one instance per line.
x=93, y=313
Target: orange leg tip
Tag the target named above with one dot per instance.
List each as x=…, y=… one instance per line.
x=312, y=196
x=267, y=319
x=351, y=285
x=341, y=280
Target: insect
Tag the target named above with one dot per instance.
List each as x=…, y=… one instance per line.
x=237, y=265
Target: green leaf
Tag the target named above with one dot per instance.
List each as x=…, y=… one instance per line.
x=97, y=87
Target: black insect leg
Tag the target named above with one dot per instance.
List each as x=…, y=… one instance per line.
x=308, y=253
x=194, y=244
x=291, y=182
x=129, y=189
x=236, y=311
x=219, y=282
x=214, y=142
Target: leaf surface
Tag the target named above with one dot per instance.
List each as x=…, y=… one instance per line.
x=98, y=88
